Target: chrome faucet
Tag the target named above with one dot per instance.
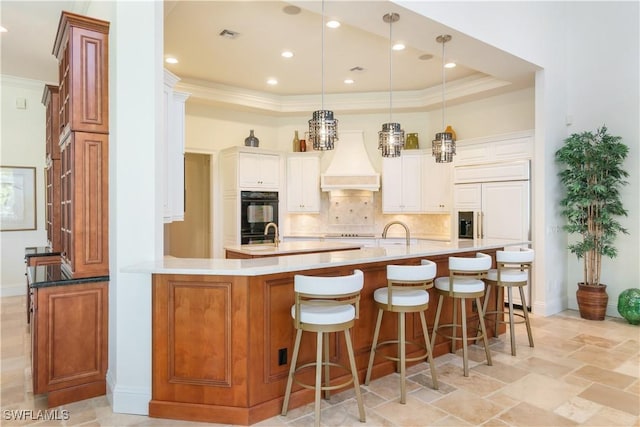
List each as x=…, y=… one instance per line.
x=406, y=229
x=276, y=239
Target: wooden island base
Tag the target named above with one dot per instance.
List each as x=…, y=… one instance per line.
x=218, y=341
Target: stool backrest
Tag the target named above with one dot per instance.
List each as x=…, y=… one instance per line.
x=523, y=256
x=514, y=261
x=478, y=264
x=318, y=290
x=414, y=276
x=468, y=268
x=412, y=273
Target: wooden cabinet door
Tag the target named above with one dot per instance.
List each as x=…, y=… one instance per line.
x=82, y=49
x=69, y=339
x=85, y=198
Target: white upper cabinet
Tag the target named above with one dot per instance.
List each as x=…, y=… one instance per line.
x=436, y=186
x=303, y=183
x=402, y=183
x=173, y=150
x=260, y=171
x=495, y=148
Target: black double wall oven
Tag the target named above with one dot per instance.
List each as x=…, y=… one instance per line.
x=258, y=208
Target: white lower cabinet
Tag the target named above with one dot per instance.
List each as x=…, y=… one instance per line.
x=402, y=183
x=303, y=183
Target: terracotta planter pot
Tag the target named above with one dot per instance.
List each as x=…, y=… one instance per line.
x=592, y=301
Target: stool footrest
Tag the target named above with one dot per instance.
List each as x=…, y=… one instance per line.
x=457, y=337
x=506, y=313
x=323, y=387
x=397, y=359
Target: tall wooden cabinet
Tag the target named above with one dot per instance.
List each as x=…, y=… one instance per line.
x=68, y=295
x=51, y=102
x=81, y=47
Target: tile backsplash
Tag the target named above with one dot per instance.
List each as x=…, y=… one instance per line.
x=351, y=208
x=351, y=211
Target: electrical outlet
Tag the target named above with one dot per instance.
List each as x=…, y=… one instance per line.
x=282, y=356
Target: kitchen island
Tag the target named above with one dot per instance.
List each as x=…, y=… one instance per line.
x=222, y=334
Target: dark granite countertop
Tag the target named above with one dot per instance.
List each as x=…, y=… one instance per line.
x=36, y=251
x=53, y=275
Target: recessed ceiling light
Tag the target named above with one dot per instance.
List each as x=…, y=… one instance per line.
x=333, y=24
x=171, y=60
x=450, y=65
x=272, y=82
x=398, y=46
x=291, y=10
x=3, y=30
x=348, y=81
x=287, y=54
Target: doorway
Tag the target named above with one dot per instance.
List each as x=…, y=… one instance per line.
x=191, y=238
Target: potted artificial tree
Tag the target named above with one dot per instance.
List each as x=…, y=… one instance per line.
x=592, y=176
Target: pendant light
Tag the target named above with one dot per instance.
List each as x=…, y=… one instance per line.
x=443, y=147
x=391, y=137
x=323, y=128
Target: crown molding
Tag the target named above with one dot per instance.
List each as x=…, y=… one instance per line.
x=347, y=102
x=22, y=83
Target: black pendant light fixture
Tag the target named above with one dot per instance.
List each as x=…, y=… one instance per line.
x=323, y=128
x=391, y=137
x=443, y=147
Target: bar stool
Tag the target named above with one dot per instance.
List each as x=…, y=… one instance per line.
x=464, y=281
x=513, y=271
x=323, y=305
x=406, y=292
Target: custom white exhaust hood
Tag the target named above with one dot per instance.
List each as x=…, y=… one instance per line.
x=350, y=168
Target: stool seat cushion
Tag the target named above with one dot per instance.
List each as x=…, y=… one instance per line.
x=508, y=275
x=402, y=297
x=325, y=314
x=460, y=285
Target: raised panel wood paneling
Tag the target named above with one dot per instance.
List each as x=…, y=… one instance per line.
x=75, y=327
x=181, y=346
x=85, y=214
x=200, y=355
x=69, y=341
x=82, y=48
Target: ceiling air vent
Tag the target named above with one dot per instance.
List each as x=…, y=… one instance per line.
x=228, y=34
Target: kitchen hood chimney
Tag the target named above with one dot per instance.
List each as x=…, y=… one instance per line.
x=350, y=168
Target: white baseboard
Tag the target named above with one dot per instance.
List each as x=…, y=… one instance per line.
x=549, y=308
x=128, y=400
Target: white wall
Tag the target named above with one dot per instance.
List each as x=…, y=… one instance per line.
x=606, y=92
x=22, y=140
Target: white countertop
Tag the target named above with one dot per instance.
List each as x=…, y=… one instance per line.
x=288, y=248
x=281, y=264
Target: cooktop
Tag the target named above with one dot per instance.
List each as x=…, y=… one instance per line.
x=369, y=235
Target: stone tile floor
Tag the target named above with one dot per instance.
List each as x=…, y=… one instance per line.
x=580, y=372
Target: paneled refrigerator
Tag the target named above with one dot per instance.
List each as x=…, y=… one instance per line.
x=492, y=201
